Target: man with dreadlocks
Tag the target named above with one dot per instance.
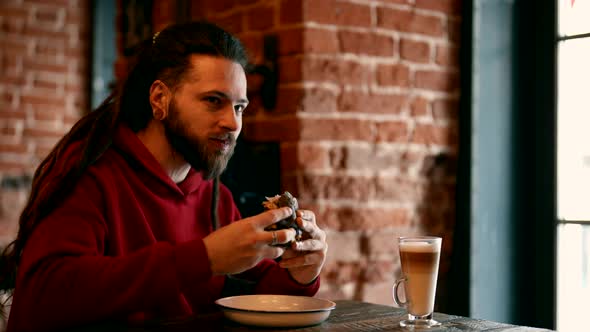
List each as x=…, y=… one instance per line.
x=127, y=220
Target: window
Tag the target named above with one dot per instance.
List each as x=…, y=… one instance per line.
x=573, y=164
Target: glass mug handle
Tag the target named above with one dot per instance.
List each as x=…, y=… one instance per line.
x=395, y=295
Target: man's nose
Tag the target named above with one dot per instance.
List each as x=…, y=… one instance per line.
x=230, y=119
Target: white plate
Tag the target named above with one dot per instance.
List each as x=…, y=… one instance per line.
x=276, y=310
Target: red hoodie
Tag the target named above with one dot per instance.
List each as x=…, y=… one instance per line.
x=127, y=244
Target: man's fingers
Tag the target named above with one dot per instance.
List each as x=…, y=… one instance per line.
x=270, y=217
x=306, y=215
x=310, y=227
x=309, y=245
x=278, y=236
x=299, y=261
x=272, y=252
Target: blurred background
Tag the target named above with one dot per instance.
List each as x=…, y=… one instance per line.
x=457, y=118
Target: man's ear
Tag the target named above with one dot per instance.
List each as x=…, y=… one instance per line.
x=160, y=97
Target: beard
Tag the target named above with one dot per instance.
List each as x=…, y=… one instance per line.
x=196, y=152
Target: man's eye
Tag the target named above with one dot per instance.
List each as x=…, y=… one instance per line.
x=239, y=108
x=213, y=100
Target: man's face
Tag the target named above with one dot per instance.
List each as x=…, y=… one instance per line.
x=205, y=114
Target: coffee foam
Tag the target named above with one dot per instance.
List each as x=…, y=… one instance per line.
x=419, y=246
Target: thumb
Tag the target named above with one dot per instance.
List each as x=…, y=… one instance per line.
x=270, y=217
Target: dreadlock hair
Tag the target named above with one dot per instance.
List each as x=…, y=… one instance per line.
x=164, y=57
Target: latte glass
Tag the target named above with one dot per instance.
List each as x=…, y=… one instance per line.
x=419, y=257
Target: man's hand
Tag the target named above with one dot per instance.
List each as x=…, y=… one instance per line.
x=241, y=245
x=305, y=259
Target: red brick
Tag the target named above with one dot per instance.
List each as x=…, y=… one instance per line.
x=41, y=33
x=414, y=51
x=54, y=81
x=43, y=100
x=290, y=100
x=355, y=101
x=395, y=75
x=12, y=25
x=454, y=30
x=309, y=40
x=315, y=100
x=419, y=107
x=337, y=71
x=75, y=53
x=233, y=23
x=11, y=64
x=410, y=160
x=8, y=128
x=380, y=271
x=365, y=43
x=430, y=134
x=48, y=15
x=13, y=166
x=7, y=98
x=45, y=134
x=73, y=17
x=291, y=11
x=47, y=115
x=452, y=7
x=15, y=10
x=303, y=156
x=74, y=88
x=359, y=218
x=18, y=148
x=437, y=80
x=407, y=21
x=445, y=109
x=392, y=131
x=290, y=69
x=447, y=56
x=254, y=45
x=33, y=64
x=356, y=157
x=336, y=129
x=320, y=41
x=359, y=188
x=341, y=272
x=290, y=41
x=13, y=114
x=216, y=6
x=261, y=18
x=397, y=1
x=14, y=45
x=383, y=244
x=351, y=157
x=50, y=2
x=399, y=190
x=42, y=151
x=337, y=12
x=13, y=78
x=283, y=129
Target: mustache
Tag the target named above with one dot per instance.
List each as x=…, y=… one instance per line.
x=225, y=137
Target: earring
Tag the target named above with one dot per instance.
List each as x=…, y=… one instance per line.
x=158, y=115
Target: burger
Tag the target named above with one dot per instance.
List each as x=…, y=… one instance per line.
x=279, y=201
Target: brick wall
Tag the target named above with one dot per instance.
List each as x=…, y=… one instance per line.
x=366, y=114
x=44, y=51
x=367, y=120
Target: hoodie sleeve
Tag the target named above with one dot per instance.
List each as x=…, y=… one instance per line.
x=64, y=278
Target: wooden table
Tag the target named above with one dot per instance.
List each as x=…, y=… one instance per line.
x=348, y=316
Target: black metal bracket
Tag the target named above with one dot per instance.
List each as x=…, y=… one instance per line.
x=269, y=72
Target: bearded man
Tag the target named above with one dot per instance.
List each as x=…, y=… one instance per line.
x=127, y=221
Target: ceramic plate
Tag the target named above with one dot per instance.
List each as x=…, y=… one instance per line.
x=276, y=310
